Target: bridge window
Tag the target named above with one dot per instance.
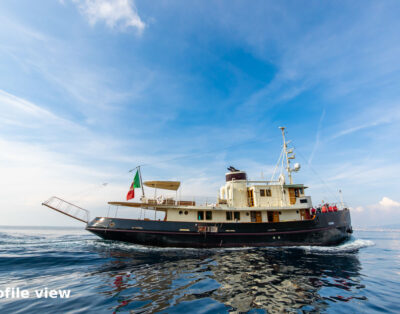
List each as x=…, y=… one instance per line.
x=208, y=215
x=228, y=215
x=266, y=192
x=200, y=215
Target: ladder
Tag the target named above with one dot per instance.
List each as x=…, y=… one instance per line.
x=67, y=208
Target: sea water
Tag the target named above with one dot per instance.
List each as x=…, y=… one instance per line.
x=77, y=272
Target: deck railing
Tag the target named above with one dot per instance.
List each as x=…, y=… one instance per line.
x=67, y=208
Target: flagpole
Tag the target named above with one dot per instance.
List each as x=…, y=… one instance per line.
x=141, y=182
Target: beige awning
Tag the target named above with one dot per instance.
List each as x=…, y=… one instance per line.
x=139, y=205
x=165, y=185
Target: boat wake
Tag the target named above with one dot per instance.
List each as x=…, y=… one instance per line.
x=350, y=246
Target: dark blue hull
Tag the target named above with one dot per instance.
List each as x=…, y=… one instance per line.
x=326, y=229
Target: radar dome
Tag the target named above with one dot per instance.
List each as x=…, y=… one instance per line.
x=296, y=166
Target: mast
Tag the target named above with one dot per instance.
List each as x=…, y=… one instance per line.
x=341, y=199
x=285, y=151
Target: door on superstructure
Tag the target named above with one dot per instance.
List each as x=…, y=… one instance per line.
x=292, y=196
x=275, y=216
x=304, y=214
x=270, y=216
x=255, y=216
x=250, y=197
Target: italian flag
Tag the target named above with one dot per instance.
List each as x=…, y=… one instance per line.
x=135, y=184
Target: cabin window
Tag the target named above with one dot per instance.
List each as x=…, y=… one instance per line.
x=180, y=212
x=262, y=192
x=228, y=215
x=186, y=212
x=296, y=192
x=268, y=192
x=208, y=215
x=200, y=215
x=236, y=215
x=304, y=200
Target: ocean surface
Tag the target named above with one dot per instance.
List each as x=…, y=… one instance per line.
x=360, y=276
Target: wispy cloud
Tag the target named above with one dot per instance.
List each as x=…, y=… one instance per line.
x=17, y=110
x=317, y=136
x=115, y=13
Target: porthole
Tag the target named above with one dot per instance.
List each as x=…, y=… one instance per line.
x=186, y=212
x=247, y=214
x=280, y=213
x=297, y=211
x=273, y=238
x=112, y=224
x=279, y=237
x=180, y=212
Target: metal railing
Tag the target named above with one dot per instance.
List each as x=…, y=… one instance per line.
x=67, y=208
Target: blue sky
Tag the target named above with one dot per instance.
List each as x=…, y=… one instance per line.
x=91, y=88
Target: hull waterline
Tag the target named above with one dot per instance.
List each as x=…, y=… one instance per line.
x=325, y=229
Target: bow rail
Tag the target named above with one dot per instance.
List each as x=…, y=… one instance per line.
x=67, y=209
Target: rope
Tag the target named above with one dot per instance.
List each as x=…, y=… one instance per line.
x=328, y=189
x=201, y=154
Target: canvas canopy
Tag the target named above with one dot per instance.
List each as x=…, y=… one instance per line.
x=165, y=185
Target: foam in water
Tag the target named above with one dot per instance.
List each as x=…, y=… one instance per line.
x=345, y=247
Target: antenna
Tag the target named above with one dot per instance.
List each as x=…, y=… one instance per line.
x=286, y=153
x=341, y=198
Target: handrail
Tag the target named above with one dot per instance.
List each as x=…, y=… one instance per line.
x=67, y=209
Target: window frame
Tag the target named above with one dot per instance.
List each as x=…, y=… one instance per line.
x=200, y=213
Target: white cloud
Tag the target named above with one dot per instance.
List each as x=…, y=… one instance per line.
x=357, y=209
x=385, y=212
x=115, y=13
x=387, y=203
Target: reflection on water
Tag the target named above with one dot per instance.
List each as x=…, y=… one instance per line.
x=275, y=280
x=106, y=276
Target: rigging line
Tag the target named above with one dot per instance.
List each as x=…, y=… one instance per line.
x=328, y=189
x=201, y=154
x=79, y=196
x=276, y=166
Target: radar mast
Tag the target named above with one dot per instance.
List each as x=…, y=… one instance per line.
x=288, y=155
